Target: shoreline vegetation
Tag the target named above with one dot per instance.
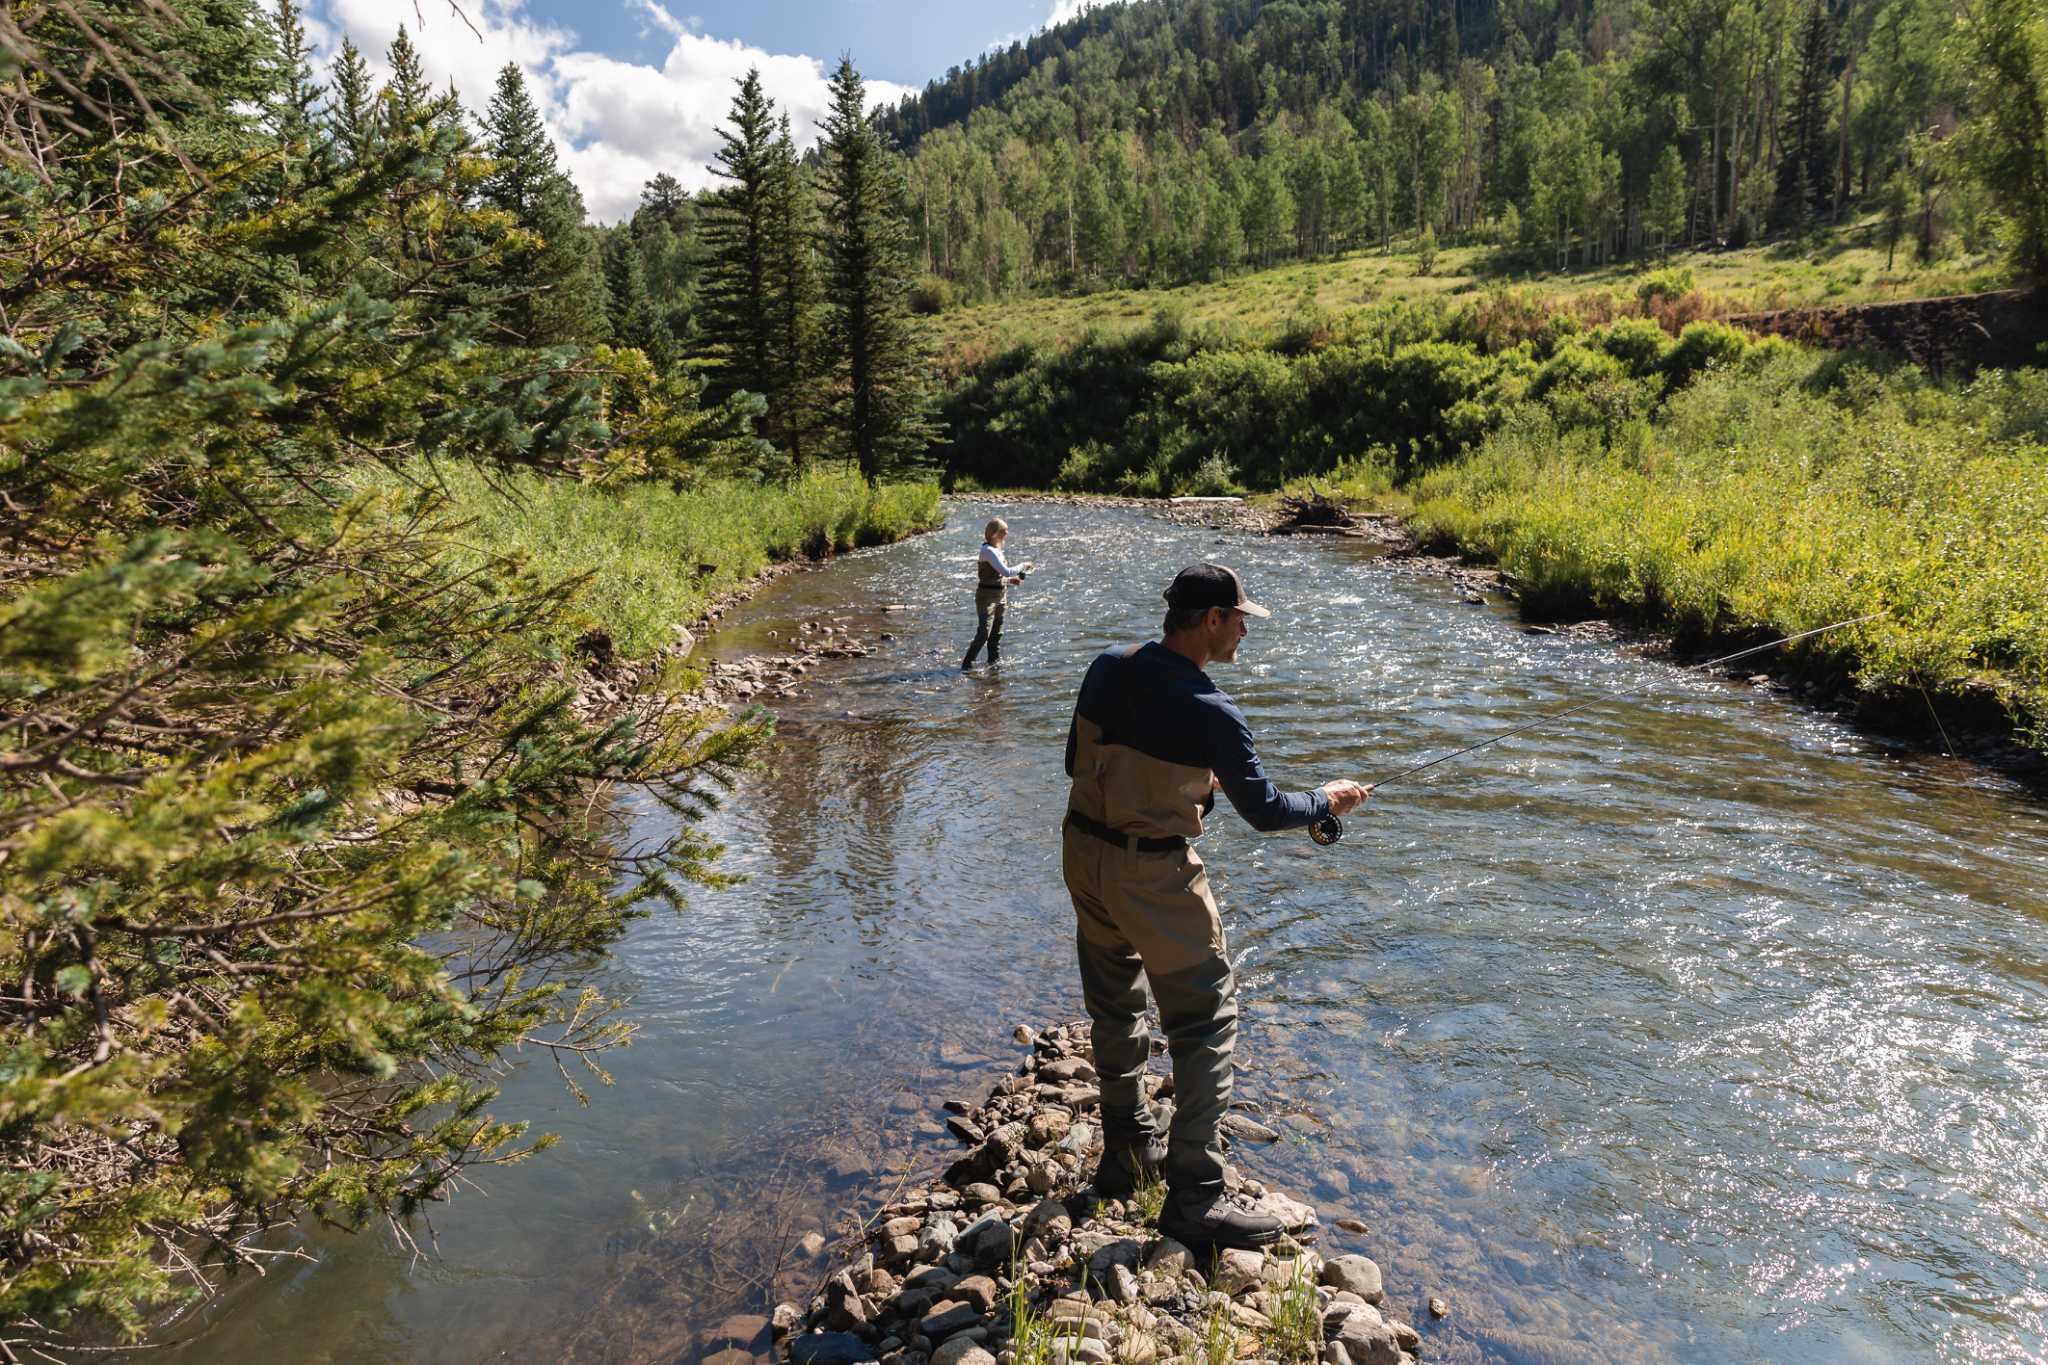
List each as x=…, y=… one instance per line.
x=648, y=557
x=1706, y=483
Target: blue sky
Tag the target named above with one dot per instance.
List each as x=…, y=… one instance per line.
x=634, y=88
x=905, y=41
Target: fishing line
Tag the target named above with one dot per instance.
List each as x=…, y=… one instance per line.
x=1330, y=829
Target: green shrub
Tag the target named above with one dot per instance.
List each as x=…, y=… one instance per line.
x=1213, y=477
x=1638, y=343
x=1701, y=346
x=931, y=294
x=1666, y=286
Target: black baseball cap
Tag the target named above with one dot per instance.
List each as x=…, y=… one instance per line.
x=1211, y=585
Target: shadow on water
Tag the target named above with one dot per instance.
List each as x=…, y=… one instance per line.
x=1697, y=1028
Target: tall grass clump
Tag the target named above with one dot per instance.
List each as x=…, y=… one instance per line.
x=650, y=555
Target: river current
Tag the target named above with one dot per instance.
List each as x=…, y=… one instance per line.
x=1698, y=1027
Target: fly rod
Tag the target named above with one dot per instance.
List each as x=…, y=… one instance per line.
x=1330, y=829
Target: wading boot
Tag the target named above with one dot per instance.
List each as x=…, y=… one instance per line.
x=1214, y=1217
x=1122, y=1168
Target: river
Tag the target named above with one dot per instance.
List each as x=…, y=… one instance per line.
x=1697, y=1028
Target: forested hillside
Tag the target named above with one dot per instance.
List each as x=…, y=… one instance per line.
x=1163, y=141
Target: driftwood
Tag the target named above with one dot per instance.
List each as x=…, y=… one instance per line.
x=1313, y=510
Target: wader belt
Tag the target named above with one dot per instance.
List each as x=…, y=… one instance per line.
x=1108, y=835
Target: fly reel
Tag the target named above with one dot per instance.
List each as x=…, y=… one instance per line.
x=1327, y=830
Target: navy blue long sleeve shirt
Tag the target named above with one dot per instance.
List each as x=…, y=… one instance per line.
x=1149, y=728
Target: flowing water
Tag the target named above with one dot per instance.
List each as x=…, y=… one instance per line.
x=1696, y=1028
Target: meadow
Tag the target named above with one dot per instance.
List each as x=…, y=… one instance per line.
x=1840, y=266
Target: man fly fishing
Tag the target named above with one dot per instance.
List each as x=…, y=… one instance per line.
x=1152, y=741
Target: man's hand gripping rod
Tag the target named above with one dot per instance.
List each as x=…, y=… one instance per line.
x=1330, y=829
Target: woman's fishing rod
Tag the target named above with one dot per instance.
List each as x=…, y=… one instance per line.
x=1330, y=829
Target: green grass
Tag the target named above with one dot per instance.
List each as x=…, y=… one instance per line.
x=1216, y=1343
x=1844, y=266
x=1297, y=1314
x=1148, y=1196
x=1764, y=501
x=652, y=557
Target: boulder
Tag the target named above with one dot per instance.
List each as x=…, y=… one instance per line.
x=829, y=1348
x=978, y=1290
x=1237, y=1271
x=1365, y=1336
x=950, y=1316
x=1123, y=1251
x=1298, y=1217
x=936, y=1279
x=961, y=1350
x=1168, y=1257
x=1086, y=1351
x=1122, y=1284
x=1247, y=1130
x=986, y=1242
x=940, y=1236
x=1048, y=1126
x=845, y=1309
x=1358, y=1275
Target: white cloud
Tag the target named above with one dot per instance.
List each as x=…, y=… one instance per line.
x=616, y=124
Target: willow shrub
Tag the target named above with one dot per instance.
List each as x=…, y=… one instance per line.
x=1781, y=494
x=646, y=555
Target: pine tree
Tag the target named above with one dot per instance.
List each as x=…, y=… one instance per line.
x=559, y=289
x=635, y=321
x=795, y=402
x=736, y=318
x=886, y=410
x=665, y=197
x=406, y=96
x=1806, y=172
x=292, y=112
x=353, y=110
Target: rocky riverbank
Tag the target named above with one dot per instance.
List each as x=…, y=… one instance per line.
x=1011, y=1258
